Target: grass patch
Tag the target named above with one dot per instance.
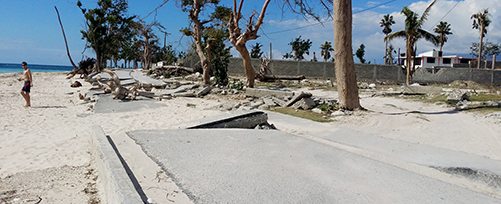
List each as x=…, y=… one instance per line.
x=303, y=114
x=436, y=99
x=485, y=97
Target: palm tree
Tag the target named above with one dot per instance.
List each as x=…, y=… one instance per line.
x=442, y=30
x=326, y=50
x=386, y=23
x=412, y=33
x=481, y=21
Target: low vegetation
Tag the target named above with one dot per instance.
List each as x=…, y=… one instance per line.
x=318, y=117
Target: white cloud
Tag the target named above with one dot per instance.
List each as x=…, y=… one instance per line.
x=459, y=18
x=366, y=28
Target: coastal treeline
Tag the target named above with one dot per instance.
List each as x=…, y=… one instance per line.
x=114, y=35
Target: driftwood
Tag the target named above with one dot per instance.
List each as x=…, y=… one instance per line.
x=467, y=105
x=265, y=74
x=271, y=78
x=114, y=87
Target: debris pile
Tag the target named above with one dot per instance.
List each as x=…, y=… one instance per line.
x=267, y=99
x=165, y=72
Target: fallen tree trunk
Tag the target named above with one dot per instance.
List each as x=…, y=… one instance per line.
x=114, y=87
x=467, y=105
x=271, y=78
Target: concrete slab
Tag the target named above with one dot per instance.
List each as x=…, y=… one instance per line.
x=416, y=153
x=106, y=104
x=112, y=176
x=127, y=82
x=255, y=92
x=142, y=78
x=246, y=120
x=179, y=89
x=253, y=166
x=411, y=152
x=226, y=120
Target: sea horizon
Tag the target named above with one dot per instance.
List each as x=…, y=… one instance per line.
x=16, y=68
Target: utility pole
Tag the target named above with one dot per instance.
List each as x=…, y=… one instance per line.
x=165, y=37
x=493, y=61
x=271, y=52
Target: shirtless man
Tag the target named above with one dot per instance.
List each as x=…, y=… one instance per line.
x=28, y=83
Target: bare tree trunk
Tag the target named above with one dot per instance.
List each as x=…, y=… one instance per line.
x=481, y=47
x=408, y=56
x=146, y=53
x=99, y=62
x=249, y=70
x=197, y=36
x=386, y=51
x=345, y=69
x=65, y=41
x=203, y=60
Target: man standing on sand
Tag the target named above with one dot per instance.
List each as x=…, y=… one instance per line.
x=28, y=83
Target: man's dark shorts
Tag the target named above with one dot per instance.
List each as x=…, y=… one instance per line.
x=26, y=87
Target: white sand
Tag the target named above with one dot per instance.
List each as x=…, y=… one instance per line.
x=46, y=147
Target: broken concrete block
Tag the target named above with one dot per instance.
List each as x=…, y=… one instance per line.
x=204, y=91
x=305, y=104
x=185, y=94
x=146, y=94
x=180, y=89
x=316, y=110
x=259, y=93
x=256, y=104
x=278, y=101
x=372, y=86
x=341, y=113
x=264, y=107
x=456, y=96
x=297, y=97
x=247, y=121
x=363, y=85
x=269, y=102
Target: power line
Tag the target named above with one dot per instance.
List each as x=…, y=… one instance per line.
x=155, y=10
x=321, y=22
x=446, y=14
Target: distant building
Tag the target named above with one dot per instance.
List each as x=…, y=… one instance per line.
x=435, y=58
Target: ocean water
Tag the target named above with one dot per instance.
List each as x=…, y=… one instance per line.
x=16, y=68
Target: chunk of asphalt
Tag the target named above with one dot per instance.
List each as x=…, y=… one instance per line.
x=244, y=121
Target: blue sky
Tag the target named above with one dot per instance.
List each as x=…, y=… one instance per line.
x=29, y=30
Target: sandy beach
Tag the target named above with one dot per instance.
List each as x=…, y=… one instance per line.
x=45, y=150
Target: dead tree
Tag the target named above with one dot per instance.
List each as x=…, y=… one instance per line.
x=239, y=38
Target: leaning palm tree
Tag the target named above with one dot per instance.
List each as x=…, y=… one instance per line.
x=412, y=33
x=481, y=21
x=386, y=23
